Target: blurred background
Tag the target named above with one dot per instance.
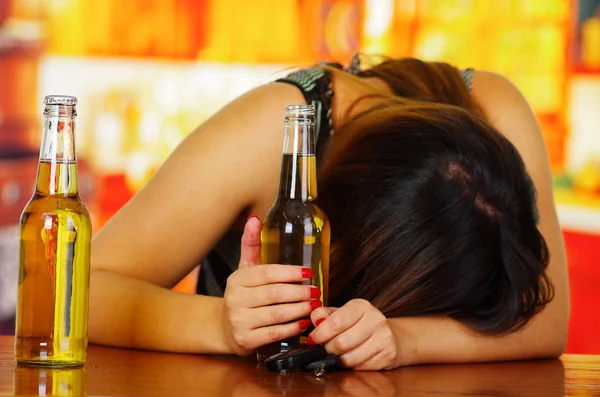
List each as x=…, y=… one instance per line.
x=146, y=72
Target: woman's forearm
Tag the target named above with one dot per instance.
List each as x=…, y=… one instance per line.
x=427, y=340
x=127, y=312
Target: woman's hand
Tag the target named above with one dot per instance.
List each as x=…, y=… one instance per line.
x=358, y=333
x=259, y=307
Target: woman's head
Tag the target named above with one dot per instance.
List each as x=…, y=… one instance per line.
x=433, y=212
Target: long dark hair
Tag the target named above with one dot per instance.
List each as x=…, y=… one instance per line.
x=432, y=210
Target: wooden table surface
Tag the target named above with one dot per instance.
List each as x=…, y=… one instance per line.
x=121, y=372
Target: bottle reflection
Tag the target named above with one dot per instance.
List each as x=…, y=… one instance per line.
x=49, y=382
x=526, y=378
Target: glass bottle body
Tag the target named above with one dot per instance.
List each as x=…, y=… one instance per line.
x=295, y=230
x=55, y=234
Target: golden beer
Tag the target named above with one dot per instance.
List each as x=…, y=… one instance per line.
x=54, y=264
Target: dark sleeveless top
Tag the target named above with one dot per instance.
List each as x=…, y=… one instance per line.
x=315, y=85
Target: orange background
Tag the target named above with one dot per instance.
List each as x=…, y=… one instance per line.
x=146, y=72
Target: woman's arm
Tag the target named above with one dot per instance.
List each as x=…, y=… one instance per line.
x=227, y=166
x=436, y=340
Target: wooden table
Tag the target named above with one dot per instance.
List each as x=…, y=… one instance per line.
x=121, y=372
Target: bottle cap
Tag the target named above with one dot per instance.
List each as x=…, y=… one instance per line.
x=64, y=100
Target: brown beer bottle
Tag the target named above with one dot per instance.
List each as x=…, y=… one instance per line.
x=295, y=231
x=54, y=264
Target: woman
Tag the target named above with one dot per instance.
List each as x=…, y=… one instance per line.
x=441, y=251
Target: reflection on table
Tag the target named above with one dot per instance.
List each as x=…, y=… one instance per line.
x=124, y=372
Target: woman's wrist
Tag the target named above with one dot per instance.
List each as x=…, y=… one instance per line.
x=222, y=337
x=404, y=342
x=201, y=324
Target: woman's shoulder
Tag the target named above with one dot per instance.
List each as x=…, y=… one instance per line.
x=503, y=104
x=507, y=109
x=494, y=92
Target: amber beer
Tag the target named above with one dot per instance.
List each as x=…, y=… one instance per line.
x=295, y=231
x=54, y=264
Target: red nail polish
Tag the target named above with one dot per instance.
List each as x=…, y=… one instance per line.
x=310, y=340
x=314, y=304
x=307, y=273
x=304, y=324
x=319, y=321
x=252, y=216
x=315, y=292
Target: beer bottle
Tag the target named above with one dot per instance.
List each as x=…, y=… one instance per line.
x=54, y=263
x=295, y=231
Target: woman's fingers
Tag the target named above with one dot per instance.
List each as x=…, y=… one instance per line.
x=250, y=249
x=362, y=353
x=350, y=339
x=265, y=335
x=263, y=303
x=319, y=315
x=340, y=320
x=255, y=276
x=272, y=294
x=275, y=314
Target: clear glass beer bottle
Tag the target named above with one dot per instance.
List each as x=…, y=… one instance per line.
x=54, y=265
x=295, y=231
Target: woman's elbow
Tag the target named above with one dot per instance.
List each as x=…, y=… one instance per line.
x=559, y=340
x=554, y=335
x=556, y=345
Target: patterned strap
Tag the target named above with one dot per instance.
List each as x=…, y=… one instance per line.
x=316, y=86
x=467, y=75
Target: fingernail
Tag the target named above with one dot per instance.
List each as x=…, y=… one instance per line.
x=314, y=304
x=252, y=216
x=310, y=340
x=307, y=273
x=315, y=292
x=319, y=321
x=304, y=324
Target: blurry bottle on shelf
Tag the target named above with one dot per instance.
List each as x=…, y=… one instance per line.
x=590, y=41
x=587, y=179
x=133, y=28
x=25, y=9
x=143, y=158
x=541, y=48
x=338, y=26
x=233, y=35
x=445, y=10
x=303, y=31
x=395, y=39
x=554, y=128
x=109, y=131
x=545, y=9
x=66, y=31
x=377, y=25
x=454, y=45
x=406, y=9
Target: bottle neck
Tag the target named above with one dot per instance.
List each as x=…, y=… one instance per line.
x=298, y=179
x=57, y=167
